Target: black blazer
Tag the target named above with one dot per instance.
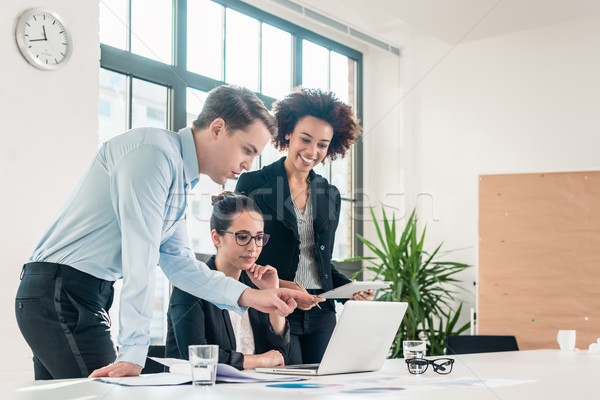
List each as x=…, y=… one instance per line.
x=270, y=189
x=191, y=320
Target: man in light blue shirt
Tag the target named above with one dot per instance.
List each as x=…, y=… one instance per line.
x=125, y=216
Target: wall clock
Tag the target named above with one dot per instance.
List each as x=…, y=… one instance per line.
x=43, y=39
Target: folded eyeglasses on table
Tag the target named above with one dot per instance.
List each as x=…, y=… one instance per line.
x=417, y=366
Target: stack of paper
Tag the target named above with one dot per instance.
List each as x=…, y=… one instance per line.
x=181, y=372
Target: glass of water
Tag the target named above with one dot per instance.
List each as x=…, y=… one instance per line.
x=415, y=349
x=204, y=359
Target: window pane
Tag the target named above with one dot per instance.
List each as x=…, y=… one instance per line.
x=341, y=178
x=315, y=66
x=151, y=29
x=113, y=23
x=255, y=163
x=340, y=76
x=341, y=247
x=112, y=105
x=200, y=209
x=205, y=38
x=158, y=324
x=242, y=50
x=194, y=102
x=269, y=155
x=230, y=184
x=352, y=88
x=340, y=175
x=199, y=212
x=322, y=169
x=148, y=104
x=114, y=309
x=276, y=62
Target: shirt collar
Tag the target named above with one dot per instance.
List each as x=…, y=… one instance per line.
x=190, y=158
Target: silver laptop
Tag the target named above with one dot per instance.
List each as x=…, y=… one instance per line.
x=360, y=341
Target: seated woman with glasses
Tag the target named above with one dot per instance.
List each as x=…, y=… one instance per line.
x=251, y=340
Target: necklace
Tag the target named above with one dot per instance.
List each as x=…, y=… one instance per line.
x=301, y=196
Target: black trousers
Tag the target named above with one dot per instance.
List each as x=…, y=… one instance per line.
x=63, y=315
x=310, y=332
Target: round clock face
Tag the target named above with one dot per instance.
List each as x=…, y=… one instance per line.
x=43, y=39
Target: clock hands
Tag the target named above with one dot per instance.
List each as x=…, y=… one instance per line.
x=40, y=40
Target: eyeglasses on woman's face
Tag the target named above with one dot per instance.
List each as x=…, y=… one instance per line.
x=242, y=238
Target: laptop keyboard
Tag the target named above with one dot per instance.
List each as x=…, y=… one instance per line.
x=303, y=366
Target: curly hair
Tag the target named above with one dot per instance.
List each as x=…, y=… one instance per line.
x=322, y=105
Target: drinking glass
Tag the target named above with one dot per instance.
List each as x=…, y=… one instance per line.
x=203, y=359
x=415, y=349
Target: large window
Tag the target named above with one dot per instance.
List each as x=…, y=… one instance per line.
x=159, y=58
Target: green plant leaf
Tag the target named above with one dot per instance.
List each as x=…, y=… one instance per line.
x=427, y=284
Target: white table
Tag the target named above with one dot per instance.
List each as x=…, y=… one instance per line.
x=556, y=375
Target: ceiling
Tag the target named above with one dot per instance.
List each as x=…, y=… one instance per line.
x=450, y=20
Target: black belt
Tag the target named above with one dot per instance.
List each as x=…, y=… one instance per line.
x=64, y=271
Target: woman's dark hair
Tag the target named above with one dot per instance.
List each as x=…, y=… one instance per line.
x=227, y=206
x=322, y=105
x=239, y=107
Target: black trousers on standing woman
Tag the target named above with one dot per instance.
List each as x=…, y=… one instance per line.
x=63, y=315
x=310, y=332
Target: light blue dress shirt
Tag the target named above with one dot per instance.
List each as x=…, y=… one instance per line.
x=125, y=216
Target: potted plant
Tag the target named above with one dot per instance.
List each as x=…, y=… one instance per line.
x=419, y=279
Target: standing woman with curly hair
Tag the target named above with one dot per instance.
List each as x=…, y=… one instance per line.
x=302, y=210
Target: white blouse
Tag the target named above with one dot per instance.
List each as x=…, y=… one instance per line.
x=244, y=336
x=307, y=273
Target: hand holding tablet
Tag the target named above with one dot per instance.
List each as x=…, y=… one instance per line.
x=347, y=291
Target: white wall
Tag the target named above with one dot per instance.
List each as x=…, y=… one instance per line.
x=519, y=103
x=49, y=133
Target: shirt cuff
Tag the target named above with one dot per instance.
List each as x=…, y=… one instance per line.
x=237, y=291
x=133, y=354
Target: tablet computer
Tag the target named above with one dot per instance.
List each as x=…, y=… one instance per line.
x=346, y=291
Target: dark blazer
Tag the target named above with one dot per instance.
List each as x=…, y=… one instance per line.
x=191, y=320
x=270, y=189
